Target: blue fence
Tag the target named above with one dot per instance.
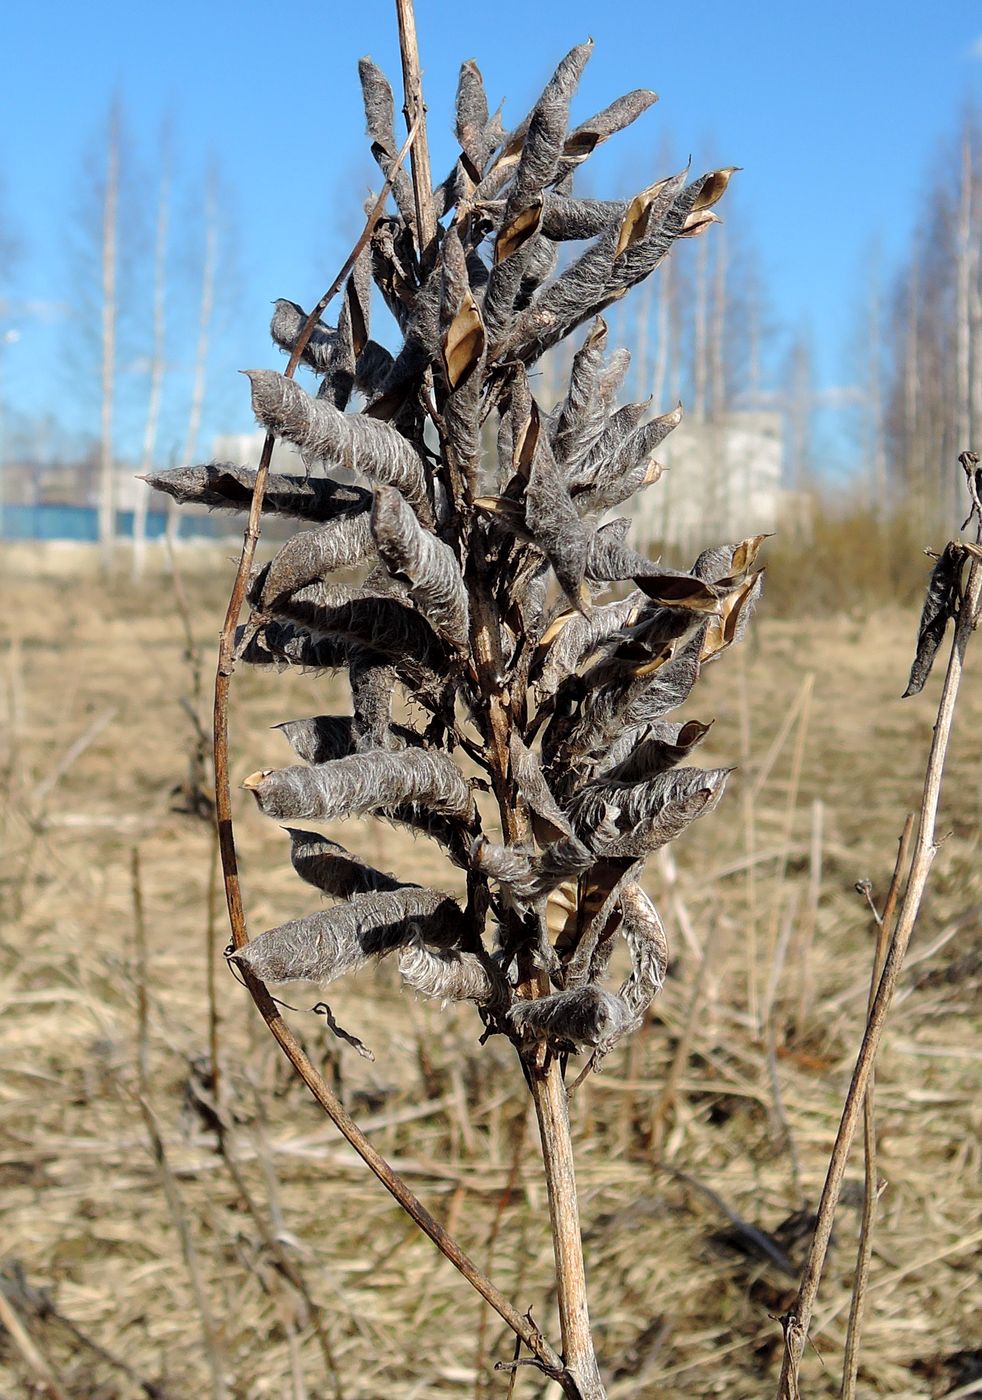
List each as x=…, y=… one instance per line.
x=81, y=524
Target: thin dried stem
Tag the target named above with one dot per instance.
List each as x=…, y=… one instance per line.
x=798, y=1318
x=211, y=923
x=552, y=1111
x=415, y=112
x=871, y=1193
x=514, y=1170
x=34, y=1360
x=213, y=1351
x=770, y=1038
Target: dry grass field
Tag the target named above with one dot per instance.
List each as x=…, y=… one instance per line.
x=136, y=1271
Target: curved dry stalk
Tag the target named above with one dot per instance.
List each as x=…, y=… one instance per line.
x=871, y=1192
x=797, y=1319
x=34, y=1359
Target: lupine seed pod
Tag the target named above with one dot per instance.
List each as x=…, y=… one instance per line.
x=649, y=814
x=610, y=557
x=472, y=119
x=645, y=935
x=735, y=611
x=324, y=946
x=587, y=937
x=584, y=139
x=319, y=739
x=940, y=605
x=347, y=439
x=581, y=419
x=618, y=428
x=373, y=361
x=372, y=679
x=508, y=867
x=543, y=144
x=380, y=125
x=287, y=322
x=653, y=691
x=549, y=821
x=565, y=219
x=587, y=1018
x=560, y=861
x=425, y=563
x=542, y=148
x=656, y=749
x=572, y=637
x=363, y=782
x=553, y=522
x=221, y=486
x=334, y=870
x=280, y=644
x=379, y=623
x=627, y=469
x=728, y=564
x=447, y=974
x=312, y=554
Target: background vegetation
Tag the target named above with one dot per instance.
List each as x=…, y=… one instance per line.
x=716, y=1118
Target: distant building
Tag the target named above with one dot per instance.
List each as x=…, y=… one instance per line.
x=723, y=480
x=245, y=449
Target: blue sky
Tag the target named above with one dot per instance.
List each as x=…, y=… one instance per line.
x=835, y=112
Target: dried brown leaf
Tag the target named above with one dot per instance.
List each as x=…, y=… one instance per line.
x=514, y=235
x=464, y=341
x=714, y=187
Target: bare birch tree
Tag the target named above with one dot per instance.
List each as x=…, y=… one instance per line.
x=110, y=239
x=206, y=309
x=933, y=407
x=158, y=350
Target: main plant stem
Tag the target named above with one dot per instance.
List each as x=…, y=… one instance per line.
x=552, y=1111
x=544, y=1075
x=542, y=1069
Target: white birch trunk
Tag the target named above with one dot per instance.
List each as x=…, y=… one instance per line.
x=963, y=273
x=717, y=339
x=156, y=362
x=110, y=211
x=700, y=375
x=662, y=332
x=206, y=308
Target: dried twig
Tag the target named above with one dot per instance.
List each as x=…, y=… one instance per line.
x=415, y=113
x=32, y=1356
x=213, y=1350
x=518, y=1149
x=871, y=1186
x=798, y=1318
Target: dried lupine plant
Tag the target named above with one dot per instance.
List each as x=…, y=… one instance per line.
x=488, y=596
